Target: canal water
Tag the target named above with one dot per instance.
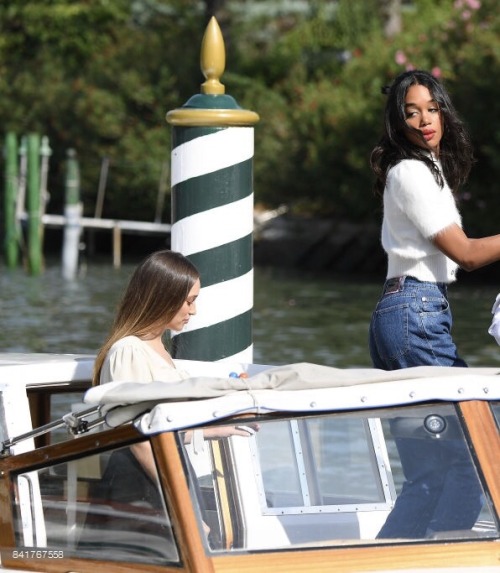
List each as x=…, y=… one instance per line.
x=297, y=316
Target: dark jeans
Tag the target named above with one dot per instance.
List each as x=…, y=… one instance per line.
x=411, y=326
x=441, y=491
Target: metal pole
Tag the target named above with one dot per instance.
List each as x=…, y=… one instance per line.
x=162, y=189
x=34, y=214
x=11, y=225
x=73, y=214
x=101, y=190
x=212, y=211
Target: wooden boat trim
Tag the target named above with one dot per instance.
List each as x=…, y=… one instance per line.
x=173, y=477
x=357, y=560
x=345, y=556
x=485, y=437
x=192, y=552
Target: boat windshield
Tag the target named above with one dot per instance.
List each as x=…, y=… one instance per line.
x=403, y=474
x=101, y=505
x=338, y=479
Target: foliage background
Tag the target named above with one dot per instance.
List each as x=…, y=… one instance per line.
x=99, y=75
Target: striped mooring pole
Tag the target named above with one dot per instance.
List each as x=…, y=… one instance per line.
x=212, y=211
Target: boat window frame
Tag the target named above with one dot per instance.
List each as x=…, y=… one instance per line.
x=41, y=405
x=480, y=428
x=483, y=433
x=373, y=433
x=474, y=439
x=12, y=466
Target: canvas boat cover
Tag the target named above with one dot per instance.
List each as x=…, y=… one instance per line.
x=302, y=387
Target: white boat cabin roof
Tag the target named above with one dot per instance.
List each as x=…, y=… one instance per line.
x=220, y=389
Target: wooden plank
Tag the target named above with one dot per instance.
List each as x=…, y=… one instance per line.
x=485, y=437
x=359, y=559
x=186, y=528
x=124, y=225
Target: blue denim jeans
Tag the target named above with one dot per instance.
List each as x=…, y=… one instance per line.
x=441, y=491
x=411, y=326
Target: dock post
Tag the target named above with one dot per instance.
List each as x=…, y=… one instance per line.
x=212, y=211
x=45, y=153
x=12, y=229
x=35, y=254
x=72, y=215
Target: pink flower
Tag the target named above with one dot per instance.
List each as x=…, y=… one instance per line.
x=410, y=67
x=458, y=4
x=436, y=72
x=400, y=58
x=473, y=4
x=466, y=14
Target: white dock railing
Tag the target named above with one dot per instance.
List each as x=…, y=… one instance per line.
x=117, y=226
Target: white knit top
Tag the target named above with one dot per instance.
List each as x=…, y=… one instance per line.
x=416, y=209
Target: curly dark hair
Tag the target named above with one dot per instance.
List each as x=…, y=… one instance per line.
x=455, y=150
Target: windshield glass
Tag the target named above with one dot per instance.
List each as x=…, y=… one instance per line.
x=344, y=478
x=102, y=506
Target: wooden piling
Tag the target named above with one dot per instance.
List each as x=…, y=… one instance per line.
x=35, y=256
x=12, y=229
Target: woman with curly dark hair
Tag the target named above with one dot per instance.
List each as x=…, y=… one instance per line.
x=421, y=160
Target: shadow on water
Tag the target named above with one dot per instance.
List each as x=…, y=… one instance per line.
x=297, y=316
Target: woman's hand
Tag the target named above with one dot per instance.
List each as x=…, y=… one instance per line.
x=216, y=432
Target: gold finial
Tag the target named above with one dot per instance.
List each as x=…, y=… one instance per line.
x=212, y=59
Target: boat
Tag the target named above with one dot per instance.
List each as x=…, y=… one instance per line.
x=257, y=468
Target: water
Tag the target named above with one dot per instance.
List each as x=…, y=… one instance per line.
x=297, y=317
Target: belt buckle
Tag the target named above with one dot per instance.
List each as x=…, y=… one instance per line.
x=394, y=285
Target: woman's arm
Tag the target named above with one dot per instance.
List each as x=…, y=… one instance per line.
x=144, y=455
x=469, y=254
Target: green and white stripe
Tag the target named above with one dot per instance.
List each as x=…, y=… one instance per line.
x=212, y=224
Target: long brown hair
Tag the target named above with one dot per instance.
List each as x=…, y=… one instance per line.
x=156, y=291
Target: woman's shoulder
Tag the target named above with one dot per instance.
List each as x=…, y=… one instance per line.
x=408, y=166
x=411, y=177
x=128, y=348
x=128, y=341
x=127, y=359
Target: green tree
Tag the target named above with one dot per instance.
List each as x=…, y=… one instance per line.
x=317, y=81
x=98, y=77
